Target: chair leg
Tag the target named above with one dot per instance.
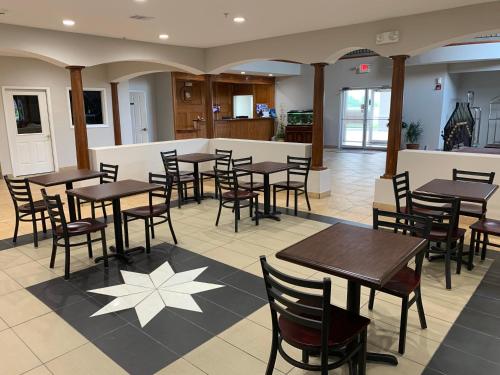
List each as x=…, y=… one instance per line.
x=447, y=268
x=104, y=248
x=272, y=355
x=125, y=227
x=146, y=230
x=171, y=228
x=402, y=325
x=151, y=224
x=274, y=198
x=420, y=308
x=78, y=209
x=478, y=242
x=257, y=210
x=89, y=245
x=362, y=353
x=307, y=199
x=179, y=195
x=104, y=214
x=54, y=251
x=16, y=229
x=287, y=197
x=460, y=255
x=35, y=231
x=236, y=215
x=485, y=244
x=470, y=263
x=296, y=201
x=66, y=258
x=372, y=299
x=44, y=225
x=218, y=213
x=92, y=209
x=305, y=356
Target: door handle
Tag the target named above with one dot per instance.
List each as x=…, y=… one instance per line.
x=144, y=129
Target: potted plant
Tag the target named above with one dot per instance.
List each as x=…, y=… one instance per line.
x=413, y=131
x=280, y=131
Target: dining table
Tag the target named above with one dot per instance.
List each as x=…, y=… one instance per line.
x=468, y=191
x=361, y=255
x=114, y=192
x=265, y=169
x=66, y=177
x=195, y=159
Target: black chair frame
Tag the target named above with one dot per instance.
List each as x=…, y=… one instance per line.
x=241, y=174
x=220, y=164
x=401, y=186
x=171, y=165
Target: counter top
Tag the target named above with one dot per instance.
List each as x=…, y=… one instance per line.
x=247, y=119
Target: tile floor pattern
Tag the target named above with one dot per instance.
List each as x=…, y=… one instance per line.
x=45, y=324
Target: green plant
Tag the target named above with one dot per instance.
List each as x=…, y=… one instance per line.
x=413, y=131
x=280, y=131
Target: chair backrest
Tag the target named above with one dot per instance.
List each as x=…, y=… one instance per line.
x=20, y=191
x=471, y=176
x=302, y=169
x=55, y=210
x=169, y=154
x=171, y=166
x=310, y=309
x=240, y=162
x=401, y=186
x=443, y=211
x=413, y=225
x=164, y=180
x=111, y=173
x=225, y=163
x=225, y=181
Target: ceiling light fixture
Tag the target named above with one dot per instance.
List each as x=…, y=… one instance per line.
x=163, y=36
x=68, y=23
x=243, y=72
x=239, y=19
x=270, y=74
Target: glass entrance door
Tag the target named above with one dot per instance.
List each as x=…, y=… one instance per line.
x=365, y=114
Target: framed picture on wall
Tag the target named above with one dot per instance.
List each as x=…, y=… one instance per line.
x=96, y=114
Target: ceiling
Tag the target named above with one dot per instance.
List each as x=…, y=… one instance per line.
x=201, y=23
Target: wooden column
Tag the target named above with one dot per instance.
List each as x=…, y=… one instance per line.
x=116, y=114
x=396, y=115
x=209, y=101
x=317, y=129
x=81, y=143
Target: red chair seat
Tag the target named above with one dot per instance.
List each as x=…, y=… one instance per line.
x=471, y=209
x=291, y=184
x=488, y=226
x=402, y=283
x=440, y=235
x=83, y=226
x=240, y=195
x=344, y=326
x=251, y=186
x=39, y=207
x=147, y=211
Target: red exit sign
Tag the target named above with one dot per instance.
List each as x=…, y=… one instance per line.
x=363, y=68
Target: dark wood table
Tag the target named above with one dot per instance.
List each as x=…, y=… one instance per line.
x=114, y=191
x=196, y=159
x=66, y=177
x=363, y=256
x=477, y=192
x=266, y=168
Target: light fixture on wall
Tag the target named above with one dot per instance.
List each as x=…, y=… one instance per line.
x=239, y=19
x=270, y=74
x=68, y=22
x=243, y=72
x=163, y=36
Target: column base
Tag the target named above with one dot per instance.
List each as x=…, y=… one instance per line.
x=320, y=183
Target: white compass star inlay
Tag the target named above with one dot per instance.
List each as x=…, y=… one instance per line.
x=150, y=293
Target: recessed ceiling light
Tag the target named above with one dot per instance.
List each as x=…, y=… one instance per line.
x=163, y=36
x=243, y=72
x=68, y=23
x=239, y=19
x=270, y=74
x=140, y=1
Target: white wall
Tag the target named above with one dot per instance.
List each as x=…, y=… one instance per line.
x=27, y=72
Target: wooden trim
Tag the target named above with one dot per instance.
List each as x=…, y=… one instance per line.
x=81, y=142
x=209, y=101
x=116, y=113
x=317, y=127
x=396, y=115
x=226, y=78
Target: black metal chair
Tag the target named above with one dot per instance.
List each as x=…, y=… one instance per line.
x=407, y=280
x=306, y=320
x=249, y=185
x=26, y=209
x=111, y=176
x=173, y=154
x=298, y=187
x=444, y=213
x=471, y=209
x=181, y=182
x=220, y=164
x=401, y=186
x=152, y=210
x=231, y=196
x=63, y=232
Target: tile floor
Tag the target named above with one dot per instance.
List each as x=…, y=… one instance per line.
x=46, y=328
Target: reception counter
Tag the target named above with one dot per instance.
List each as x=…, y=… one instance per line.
x=261, y=129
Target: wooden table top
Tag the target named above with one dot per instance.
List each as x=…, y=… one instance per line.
x=468, y=191
x=113, y=190
x=369, y=257
x=265, y=167
x=65, y=176
x=199, y=157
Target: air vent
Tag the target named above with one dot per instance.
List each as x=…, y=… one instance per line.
x=138, y=17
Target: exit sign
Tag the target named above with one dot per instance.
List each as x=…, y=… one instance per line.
x=363, y=68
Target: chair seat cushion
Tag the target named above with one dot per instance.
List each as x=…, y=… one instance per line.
x=147, y=211
x=210, y=174
x=38, y=205
x=345, y=326
x=291, y=184
x=82, y=226
x=440, y=235
x=488, y=226
x=402, y=283
x=185, y=173
x=185, y=178
x=419, y=211
x=240, y=194
x=471, y=209
x=251, y=186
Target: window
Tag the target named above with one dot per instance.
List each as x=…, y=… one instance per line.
x=27, y=114
x=95, y=107
x=243, y=106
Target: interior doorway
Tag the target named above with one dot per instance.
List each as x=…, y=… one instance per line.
x=138, y=115
x=29, y=130
x=364, y=117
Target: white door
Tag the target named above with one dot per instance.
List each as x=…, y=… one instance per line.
x=139, y=116
x=28, y=128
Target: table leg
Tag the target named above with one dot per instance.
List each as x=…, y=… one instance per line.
x=353, y=304
x=472, y=245
x=71, y=203
x=196, y=183
x=118, y=250
x=267, y=214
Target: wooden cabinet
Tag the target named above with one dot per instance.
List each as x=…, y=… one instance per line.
x=298, y=133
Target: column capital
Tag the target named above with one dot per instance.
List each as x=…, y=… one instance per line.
x=75, y=67
x=320, y=64
x=399, y=57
